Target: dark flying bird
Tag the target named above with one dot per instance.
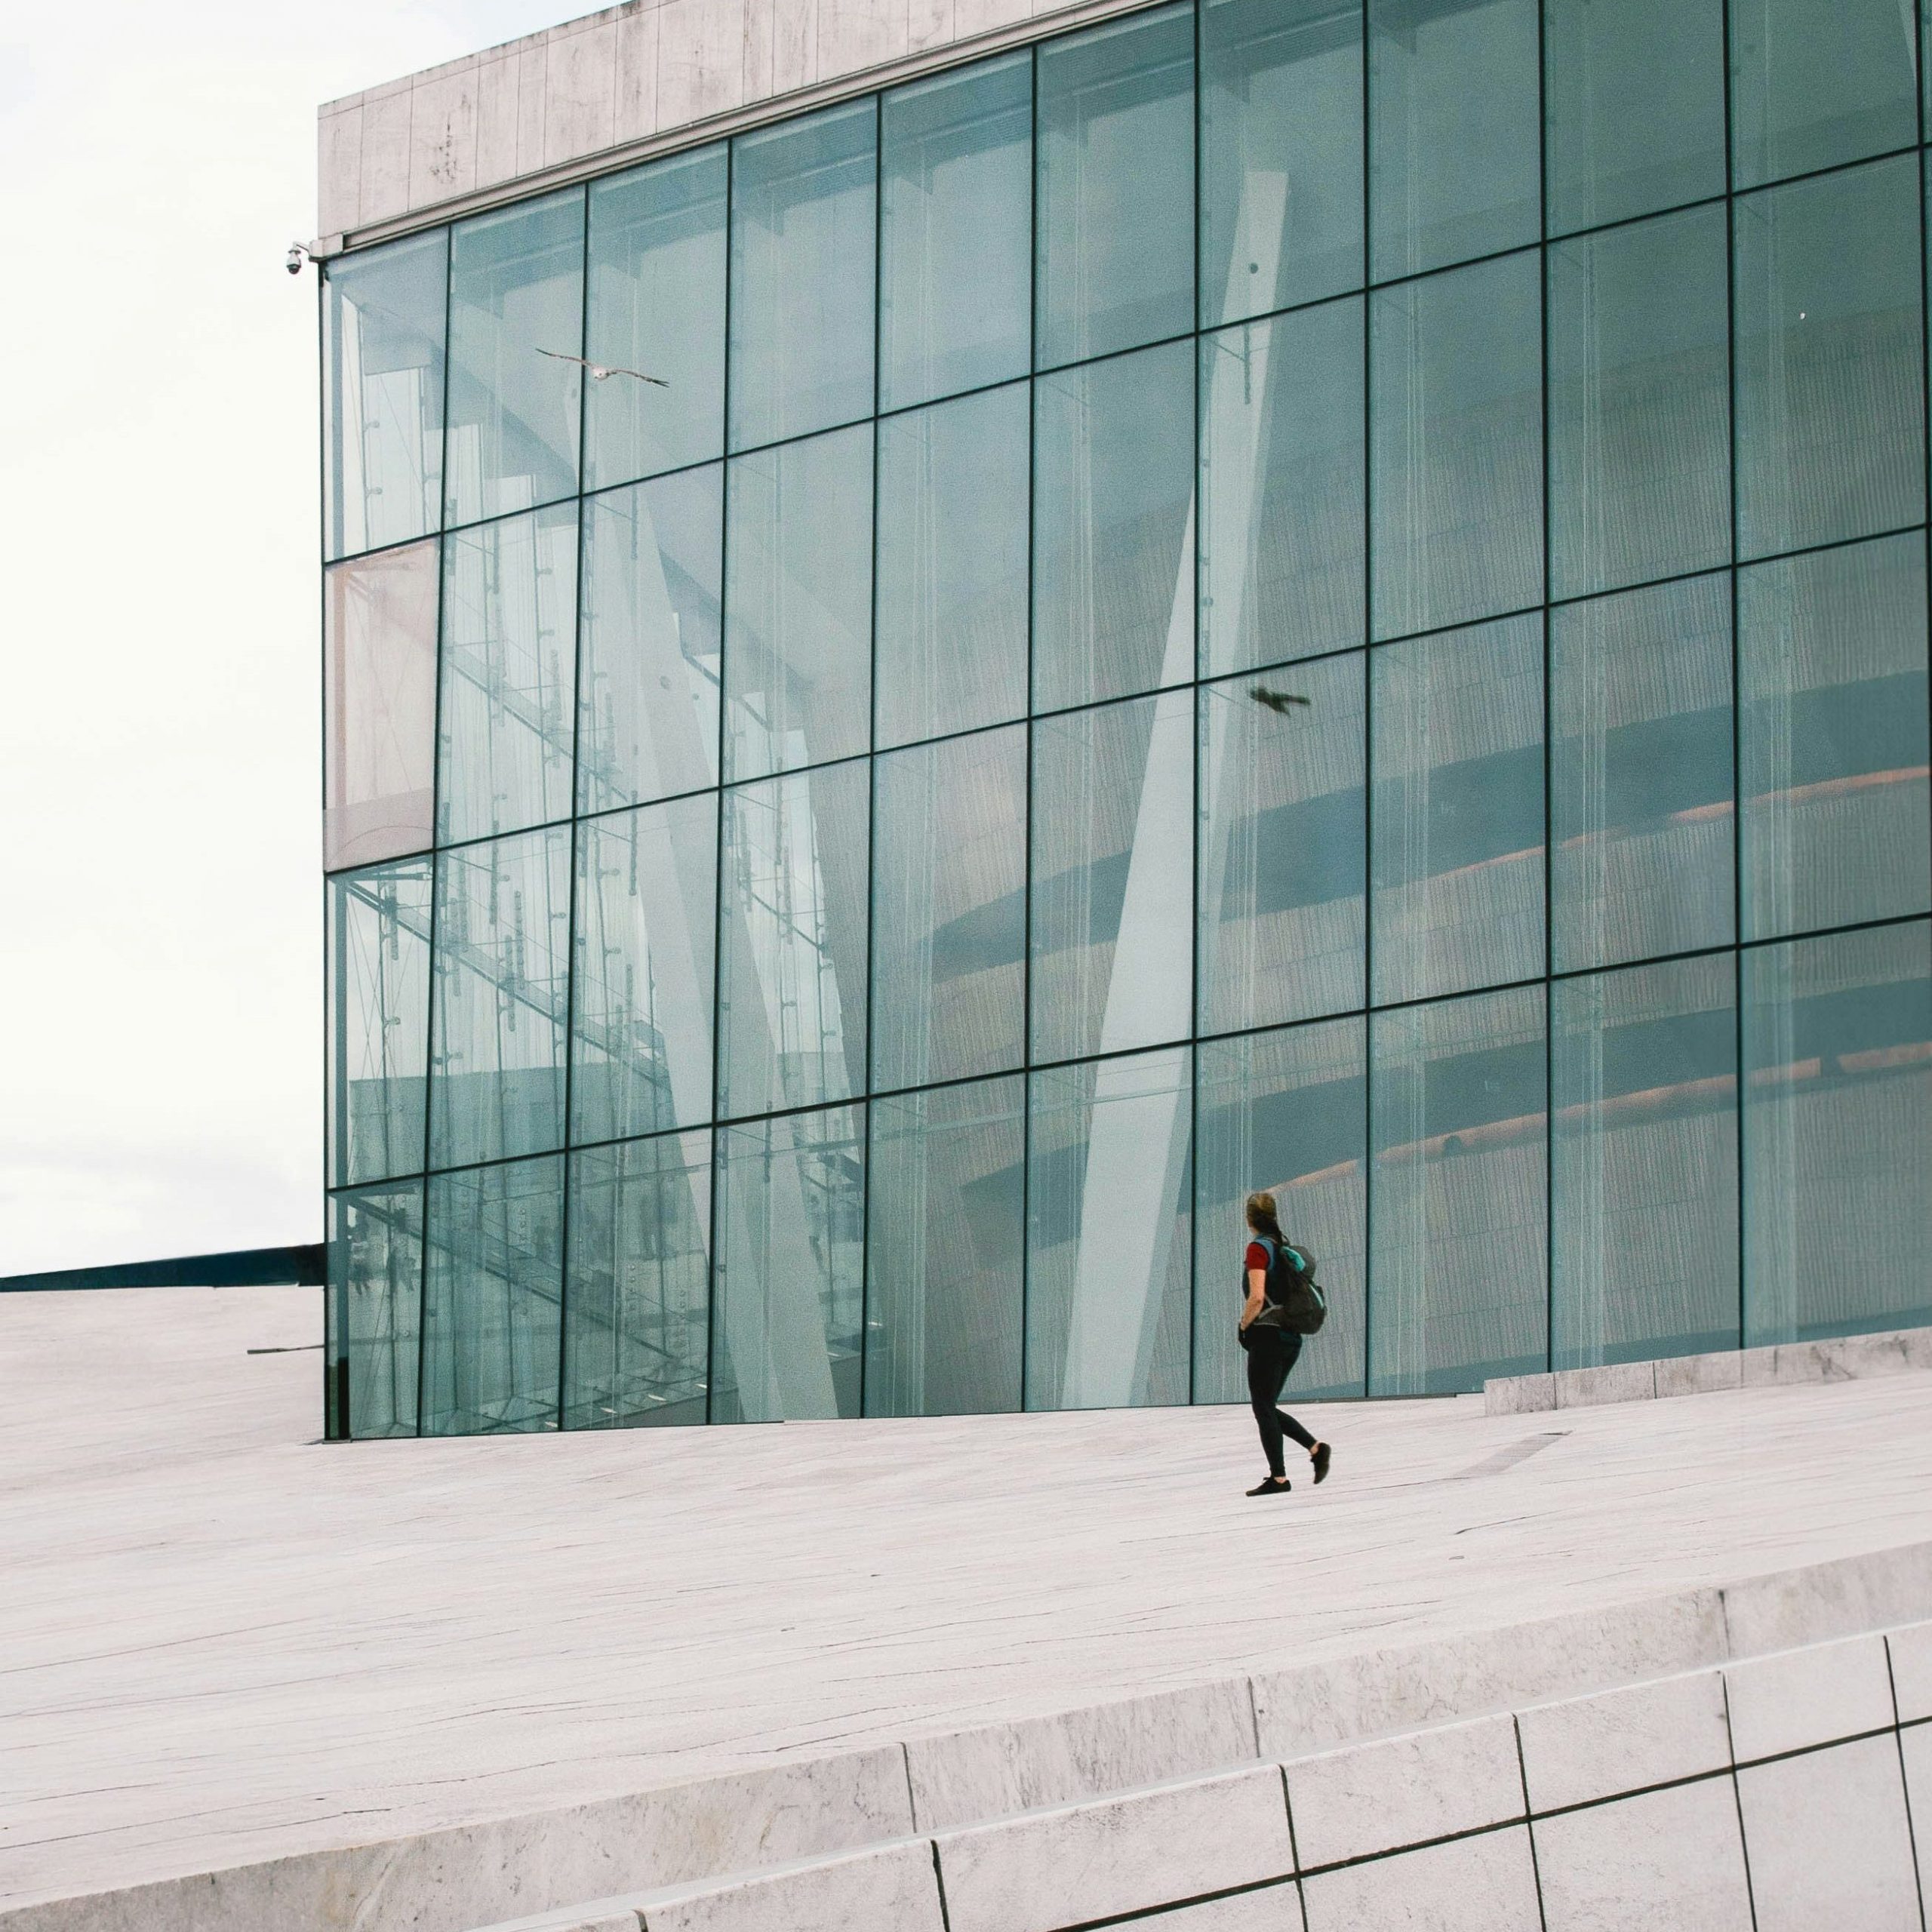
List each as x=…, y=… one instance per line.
x=599, y=370
x=1276, y=700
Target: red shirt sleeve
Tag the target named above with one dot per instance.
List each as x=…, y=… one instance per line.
x=1257, y=1256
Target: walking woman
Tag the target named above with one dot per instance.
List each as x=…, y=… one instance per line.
x=1271, y=1350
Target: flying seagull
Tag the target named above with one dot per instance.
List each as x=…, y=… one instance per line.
x=1276, y=700
x=599, y=370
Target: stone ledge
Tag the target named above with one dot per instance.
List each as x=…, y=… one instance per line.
x=1840, y=1358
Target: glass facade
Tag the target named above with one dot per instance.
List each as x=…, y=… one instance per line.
x=1328, y=595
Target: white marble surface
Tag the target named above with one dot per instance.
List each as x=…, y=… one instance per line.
x=1814, y=1695
x=1402, y=1791
x=226, y=1645
x=1828, y=1841
x=1587, y=1747
x=1668, y=1861
x=1268, y=1909
x=1911, y=1671
x=1485, y=1883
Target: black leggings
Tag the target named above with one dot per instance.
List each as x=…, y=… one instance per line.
x=1272, y=1352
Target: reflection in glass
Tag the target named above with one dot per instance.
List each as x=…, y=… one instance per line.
x=383, y=311
x=1281, y=154
x=1813, y=86
x=1456, y=397
x=499, y=995
x=1113, y=877
x=1838, y=1134
x=493, y=1291
x=953, y=562
x=1633, y=109
x=637, y=1320
x=1831, y=432
x=379, y=1020
x=949, y=909
x=792, y=934
x=1282, y=470
x=516, y=289
x=1286, y=1111
x=1114, y=222
x=798, y=639
x=646, y=946
x=1282, y=833
x=791, y=1267
x=956, y=180
x=379, y=705
x=803, y=236
x=1831, y=737
x=509, y=706
x=1108, y=1233
x=1457, y=1112
x=1113, y=527
x=648, y=690
x=1453, y=144
x=375, y=1307
x=1639, y=403
x=657, y=306
x=1644, y=1078
x=1640, y=774
x=1457, y=838
x=945, y=1209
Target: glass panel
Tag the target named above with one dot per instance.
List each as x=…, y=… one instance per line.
x=1113, y=527
x=799, y=637
x=379, y=1021
x=375, y=1268
x=791, y=1267
x=1458, y=1253
x=508, y=709
x=1643, y=1076
x=952, y=561
x=792, y=929
x=1454, y=153
x=1282, y=470
x=956, y=168
x=379, y=705
x=637, y=1320
x=516, y=322
x=949, y=909
x=943, y=1328
x=1633, y=108
x=657, y=311
x=492, y=1294
x=1812, y=86
x=1281, y=154
x=1281, y=832
x=1639, y=403
x=804, y=226
x=1115, y=219
x=1457, y=829
x=1456, y=398
x=1287, y=1112
x=1831, y=432
x=1838, y=1134
x=1108, y=1233
x=647, y=930
x=1113, y=803
x=647, y=692
x=1831, y=737
x=382, y=324
x=503, y=935
x=1640, y=774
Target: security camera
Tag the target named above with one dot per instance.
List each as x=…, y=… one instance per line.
x=297, y=255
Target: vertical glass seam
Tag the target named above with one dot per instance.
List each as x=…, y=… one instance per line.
x=1196, y=694
x=864, y=1102
x=1548, y=842
x=1368, y=547
x=1026, y=896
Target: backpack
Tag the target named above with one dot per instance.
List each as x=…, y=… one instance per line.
x=1290, y=1300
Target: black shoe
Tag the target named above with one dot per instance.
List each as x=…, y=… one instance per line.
x=1320, y=1458
x=1274, y=1486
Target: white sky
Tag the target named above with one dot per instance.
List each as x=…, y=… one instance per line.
x=160, y=899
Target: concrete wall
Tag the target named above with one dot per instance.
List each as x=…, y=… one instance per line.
x=631, y=81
